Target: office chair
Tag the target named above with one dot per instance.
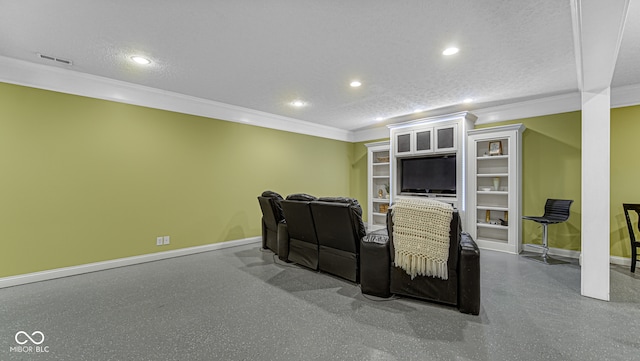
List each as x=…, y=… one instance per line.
x=634, y=243
x=555, y=211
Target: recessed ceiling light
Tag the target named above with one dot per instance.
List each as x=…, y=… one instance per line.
x=417, y=111
x=450, y=51
x=355, y=84
x=378, y=119
x=468, y=100
x=298, y=103
x=141, y=60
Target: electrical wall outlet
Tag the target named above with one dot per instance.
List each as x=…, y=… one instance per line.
x=159, y=241
x=166, y=240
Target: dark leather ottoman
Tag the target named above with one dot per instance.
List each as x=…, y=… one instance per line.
x=375, y=265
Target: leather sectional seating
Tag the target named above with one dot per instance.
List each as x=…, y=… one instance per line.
x=327, y=234
x=272, y=215
x=461, y=289
x=322, y=234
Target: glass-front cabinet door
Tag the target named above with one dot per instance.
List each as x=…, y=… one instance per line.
x=403, y=143
x=445, y=138
x=424, y=140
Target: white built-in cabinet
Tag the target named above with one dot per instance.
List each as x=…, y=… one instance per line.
x=494, y=187
x=379, y=180
x=426, y=139
x=440, y=135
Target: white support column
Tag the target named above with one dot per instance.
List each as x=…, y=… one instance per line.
x=598, y=27
x=595, y=194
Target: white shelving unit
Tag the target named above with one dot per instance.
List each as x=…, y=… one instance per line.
x=379, y=177
x=494, y=188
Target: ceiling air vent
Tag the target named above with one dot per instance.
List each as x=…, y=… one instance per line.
x=57, y=60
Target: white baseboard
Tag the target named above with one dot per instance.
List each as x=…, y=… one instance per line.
x=120, y=262
x=552, y=251
x=575, y=254
x=620, y=261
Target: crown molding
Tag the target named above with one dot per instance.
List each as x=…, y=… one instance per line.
x=556, y=104
x=367, y=135
x=625, y=96
x=518, y=110
x=434, y=119
x=62, y=80
x=72, y=82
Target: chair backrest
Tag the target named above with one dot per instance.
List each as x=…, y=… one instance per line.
x=268, y=212
x=627, y=208
x=271, y=210
x=299, y=220
x=557, y=209
x=338, y=223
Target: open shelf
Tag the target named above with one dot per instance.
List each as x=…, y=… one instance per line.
x=494, y=226
x=492, y=208
x=492, y=175
x=493, y=157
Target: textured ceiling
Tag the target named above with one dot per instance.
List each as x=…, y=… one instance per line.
x=264, y=54
x=627, y=70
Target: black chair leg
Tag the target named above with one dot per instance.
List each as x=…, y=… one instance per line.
x=634, y=258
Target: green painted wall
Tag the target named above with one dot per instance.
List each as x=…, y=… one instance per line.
x=86, y=180
x=625, y=173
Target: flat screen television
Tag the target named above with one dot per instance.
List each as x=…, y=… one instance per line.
x=428, y=175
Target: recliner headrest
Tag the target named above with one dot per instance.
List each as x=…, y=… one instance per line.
x=275, y=200
x=350, y=201
x=301, y=197
x=271, y=194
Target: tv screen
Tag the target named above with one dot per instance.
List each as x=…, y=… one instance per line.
x=435, y=175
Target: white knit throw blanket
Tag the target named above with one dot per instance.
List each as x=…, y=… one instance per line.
x=421, y=236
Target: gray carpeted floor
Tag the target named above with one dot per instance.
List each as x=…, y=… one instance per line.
x=240, y=304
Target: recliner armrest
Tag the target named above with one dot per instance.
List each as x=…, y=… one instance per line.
x=467, y=243
x=468, y=275
x=283, y=241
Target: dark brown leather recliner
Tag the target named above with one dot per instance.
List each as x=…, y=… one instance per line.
x=339, y=228
x=297, y=239
x=272, y=215
x=461, y=289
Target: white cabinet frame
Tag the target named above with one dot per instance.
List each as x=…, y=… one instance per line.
x=378, y=174
x=483, y=199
